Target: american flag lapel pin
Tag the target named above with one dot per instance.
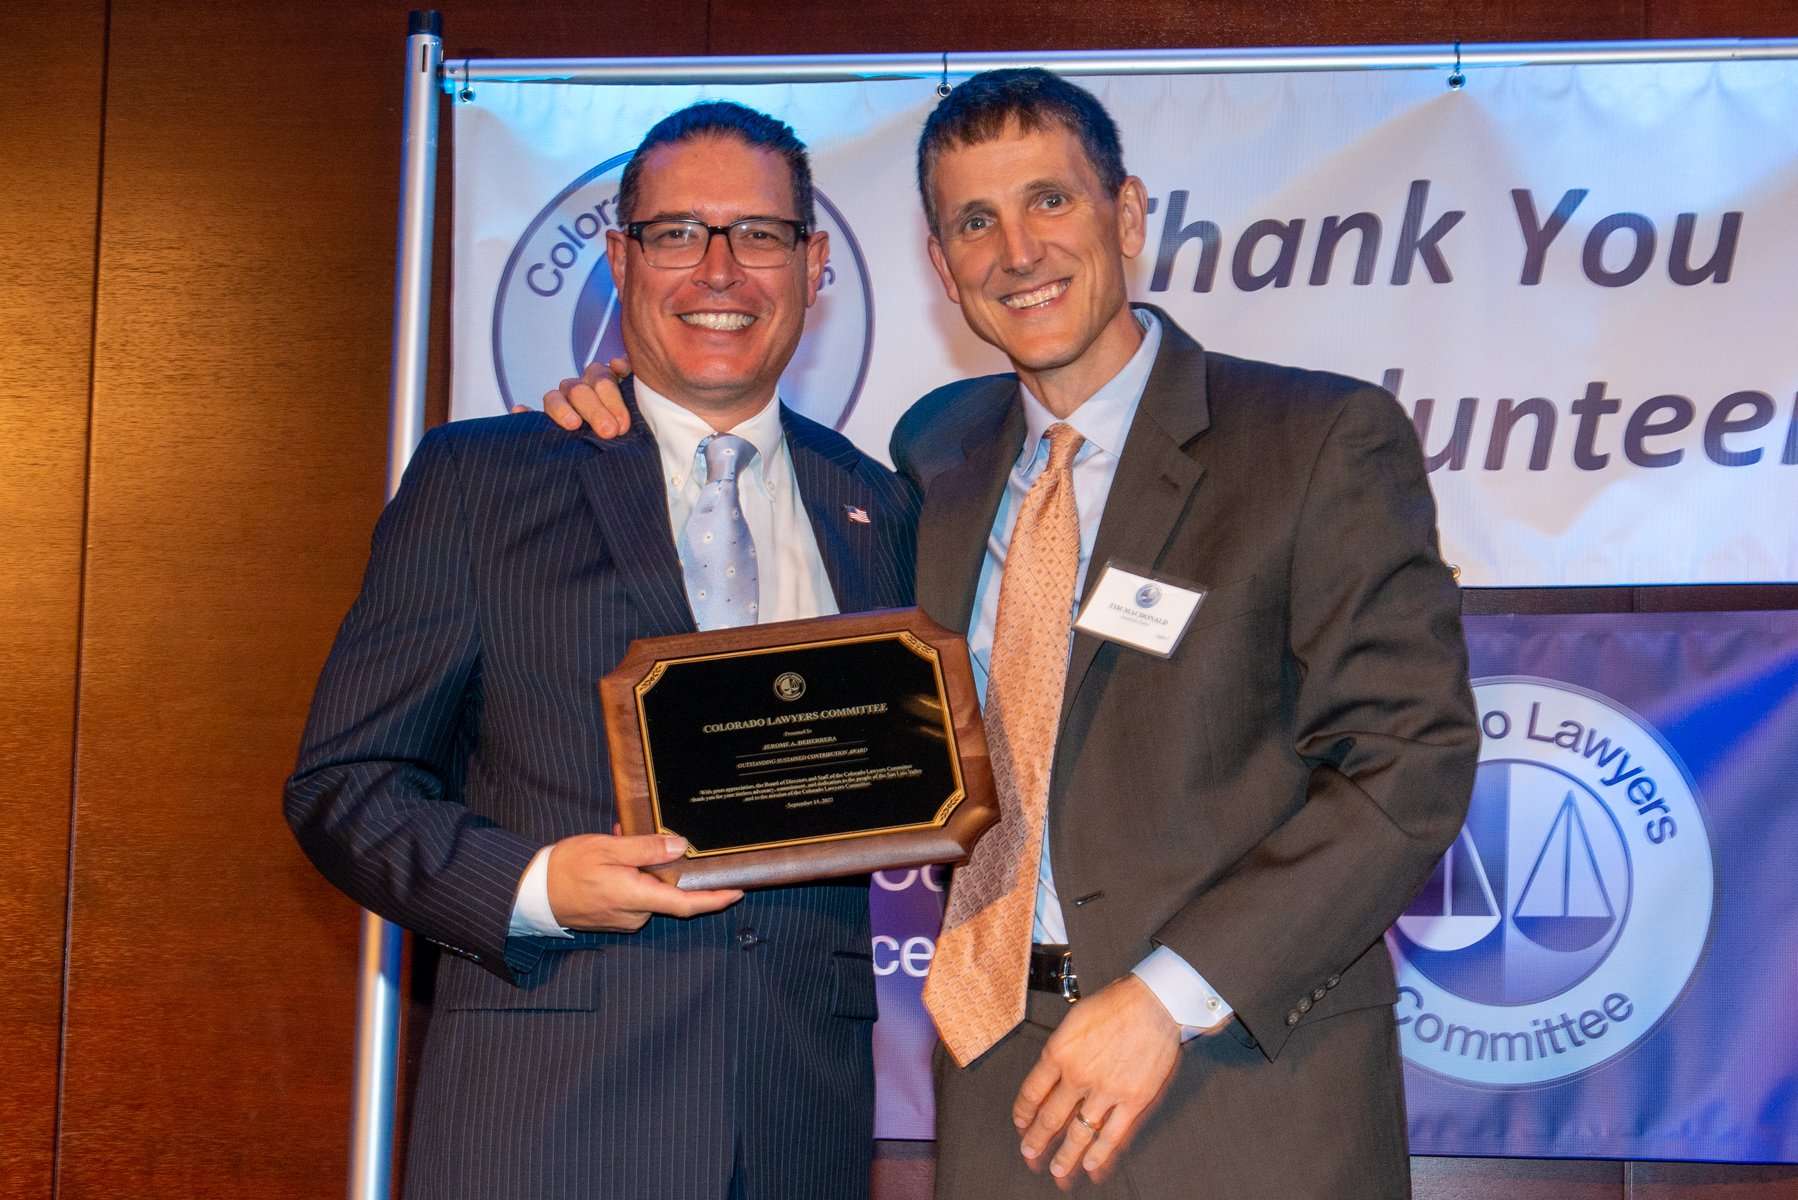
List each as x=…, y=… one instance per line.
x=858, y=515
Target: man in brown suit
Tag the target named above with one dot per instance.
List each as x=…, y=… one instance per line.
x=1229, y=828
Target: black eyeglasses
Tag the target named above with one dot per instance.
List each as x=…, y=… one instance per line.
x=753, y=241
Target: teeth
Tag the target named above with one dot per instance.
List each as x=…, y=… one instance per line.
x=1041, y=295
x=723, y=321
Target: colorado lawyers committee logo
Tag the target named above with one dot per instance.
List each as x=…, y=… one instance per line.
x=1573, y=909
x=556, y=309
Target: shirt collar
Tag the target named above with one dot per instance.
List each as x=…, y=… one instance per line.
x=678, y=432
x=1104, y=418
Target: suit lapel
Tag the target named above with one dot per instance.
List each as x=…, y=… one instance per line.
x=1155, y=477
x=959, y=509
x=824, y=469
x=623, y=482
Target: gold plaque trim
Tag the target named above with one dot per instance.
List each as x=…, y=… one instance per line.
x=905, y=638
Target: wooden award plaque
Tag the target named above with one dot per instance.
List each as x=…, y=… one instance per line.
x=801, y=750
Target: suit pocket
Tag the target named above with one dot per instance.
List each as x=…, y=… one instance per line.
x=562, y=981
x=852, y=986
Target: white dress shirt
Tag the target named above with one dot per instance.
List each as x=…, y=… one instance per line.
x=1104, y=421
x=794, y=583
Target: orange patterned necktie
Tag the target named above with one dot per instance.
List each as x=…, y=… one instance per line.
x=975, y=992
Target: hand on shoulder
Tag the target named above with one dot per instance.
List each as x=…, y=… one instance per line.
x=594, y=399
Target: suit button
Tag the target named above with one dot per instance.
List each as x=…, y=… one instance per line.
x=1332, y=981
x=1305, y=1005
x=1292, y=1018
x=1318, y=994
x=748, y=940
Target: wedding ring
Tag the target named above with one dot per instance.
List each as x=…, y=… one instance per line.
x=1081, y=1117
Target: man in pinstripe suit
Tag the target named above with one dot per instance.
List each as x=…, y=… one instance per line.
x=596, y=1032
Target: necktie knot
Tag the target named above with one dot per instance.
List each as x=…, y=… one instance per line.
x=1064, y=443
x=725, y=455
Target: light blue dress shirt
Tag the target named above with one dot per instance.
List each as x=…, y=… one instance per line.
x=1104, y=421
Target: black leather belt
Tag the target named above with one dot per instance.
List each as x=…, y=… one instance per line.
x=1052, y=970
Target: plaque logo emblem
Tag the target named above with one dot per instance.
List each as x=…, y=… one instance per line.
x=555, y=309
x=1573, y=909
x=1148, y=596
x=789, y=685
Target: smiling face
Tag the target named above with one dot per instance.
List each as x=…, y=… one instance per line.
x=1032, y=247
x=714, y=338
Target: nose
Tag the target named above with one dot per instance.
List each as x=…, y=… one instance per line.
x=719, y=268
x=1022, y=249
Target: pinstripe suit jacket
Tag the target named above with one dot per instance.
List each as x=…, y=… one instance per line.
x=457, y=729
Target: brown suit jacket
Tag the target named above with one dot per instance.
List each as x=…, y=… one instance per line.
x=1266, y=801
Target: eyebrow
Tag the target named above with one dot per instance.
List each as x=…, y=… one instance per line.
x=968, y=208
x=1057, y=183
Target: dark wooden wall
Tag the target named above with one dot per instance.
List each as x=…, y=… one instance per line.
x=49, y=191
x=197, y=219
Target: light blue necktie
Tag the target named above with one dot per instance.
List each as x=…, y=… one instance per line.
x=720, y=560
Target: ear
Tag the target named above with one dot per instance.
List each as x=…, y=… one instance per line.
x=1133, y=217
x=615, y=251
x=940, y=261
x=817, y=256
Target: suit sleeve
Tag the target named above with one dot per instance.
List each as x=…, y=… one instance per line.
x=376, y=799
x=899, y=445
x=1383, y=718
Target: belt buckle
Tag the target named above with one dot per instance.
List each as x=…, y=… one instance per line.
x=1065, y=976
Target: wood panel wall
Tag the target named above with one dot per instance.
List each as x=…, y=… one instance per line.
x=197, y=220
x=49, y=200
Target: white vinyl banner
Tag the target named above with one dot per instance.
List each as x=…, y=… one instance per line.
x=1577, y=280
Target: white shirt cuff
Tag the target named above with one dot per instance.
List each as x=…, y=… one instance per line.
x=531, y=913
x=1183, y=992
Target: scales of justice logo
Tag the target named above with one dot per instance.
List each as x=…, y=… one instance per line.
x=1571, y=912
x=556, y=310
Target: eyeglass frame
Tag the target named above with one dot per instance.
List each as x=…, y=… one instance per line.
x=802, y=233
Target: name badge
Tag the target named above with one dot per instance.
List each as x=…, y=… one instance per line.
x=1139, y=610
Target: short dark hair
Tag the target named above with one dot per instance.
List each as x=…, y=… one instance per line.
x=722, y=118
x=981, y=108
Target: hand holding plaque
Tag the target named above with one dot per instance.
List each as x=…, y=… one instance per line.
x=801, y=750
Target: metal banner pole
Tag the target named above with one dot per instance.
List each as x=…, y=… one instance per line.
x=412, y=278
x=819, y=68
x=378, y=995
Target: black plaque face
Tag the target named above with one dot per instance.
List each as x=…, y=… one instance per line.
x=799, y=744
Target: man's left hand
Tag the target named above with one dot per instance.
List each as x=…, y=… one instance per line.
x=1107, y=1062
